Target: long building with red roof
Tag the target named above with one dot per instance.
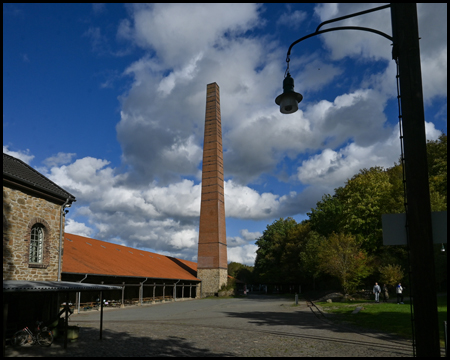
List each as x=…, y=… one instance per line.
x=142, y=274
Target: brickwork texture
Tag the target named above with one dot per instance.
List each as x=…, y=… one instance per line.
x=20, y=212
x=212, y=244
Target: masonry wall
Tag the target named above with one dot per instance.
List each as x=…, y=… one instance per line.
x=212, y=280
x=20, y=212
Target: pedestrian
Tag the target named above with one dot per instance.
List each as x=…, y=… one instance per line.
x=399, y=291
x=385, y=293
x=376, y=291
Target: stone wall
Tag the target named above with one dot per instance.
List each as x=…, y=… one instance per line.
x=20, y=212
x=212, y=280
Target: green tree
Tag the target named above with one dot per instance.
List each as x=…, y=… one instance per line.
x=365, y=198
x=241, y=272
x=309, y=257
x=271, y=246
x=292, y=267
x=391, y=274
x=341, y=256
x=327, y=217
x=437, y=165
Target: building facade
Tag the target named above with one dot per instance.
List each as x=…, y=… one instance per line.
x=145, y=277
x=33, y=223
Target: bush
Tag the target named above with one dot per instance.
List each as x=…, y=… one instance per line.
x=230, y=285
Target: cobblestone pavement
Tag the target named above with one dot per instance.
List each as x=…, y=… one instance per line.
x=253, y=326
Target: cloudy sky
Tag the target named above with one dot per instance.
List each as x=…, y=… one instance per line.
x=108, y=101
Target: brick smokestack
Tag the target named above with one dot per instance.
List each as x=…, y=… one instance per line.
x=212, y=266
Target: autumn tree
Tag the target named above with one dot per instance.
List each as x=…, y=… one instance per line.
x=342, y=256
x=391, y=274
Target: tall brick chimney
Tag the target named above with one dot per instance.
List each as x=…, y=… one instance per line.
x=212, y=243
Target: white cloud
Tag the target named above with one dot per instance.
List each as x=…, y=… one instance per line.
x=244, y=254
x=167, y=30
x=59, y=159
x=433, y=43
x=245, y=203
x=431, y=132
x=434, y=75
x=25, y=156
x=250, y=236
x=148, y=202
x=356, y=43
x=332, y=168
x=185, y=239
x=244, y=239
x=74, y=227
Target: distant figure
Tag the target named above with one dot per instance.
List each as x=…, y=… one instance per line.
x=399, y=291
x=376, y=291
x=385, y=293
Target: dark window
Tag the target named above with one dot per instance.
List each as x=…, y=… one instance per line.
x=37, y=244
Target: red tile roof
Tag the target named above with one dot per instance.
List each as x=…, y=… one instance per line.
x=84, y=255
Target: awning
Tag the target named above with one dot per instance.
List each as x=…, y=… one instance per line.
x=21, y=286
x=55, y=286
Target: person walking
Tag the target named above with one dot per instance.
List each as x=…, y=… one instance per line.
x=385, y=293
x=399, y=291
x=376, y=291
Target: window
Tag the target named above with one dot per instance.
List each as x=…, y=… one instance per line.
x=37, y=244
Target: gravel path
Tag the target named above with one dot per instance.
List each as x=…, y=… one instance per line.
x=253, y=326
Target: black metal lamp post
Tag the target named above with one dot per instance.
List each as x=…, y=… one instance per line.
x=406, y=52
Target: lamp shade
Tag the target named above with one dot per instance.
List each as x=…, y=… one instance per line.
x=289, y=99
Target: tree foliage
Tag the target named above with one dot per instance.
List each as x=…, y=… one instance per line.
x=241, y=272
x=437, y=165
x=343, y=258
x=343, y=235
x=391, y=274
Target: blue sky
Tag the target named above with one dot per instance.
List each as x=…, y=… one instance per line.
x=108, y=101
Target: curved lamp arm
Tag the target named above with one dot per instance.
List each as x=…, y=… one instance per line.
x=339, y=28
x=318, y=32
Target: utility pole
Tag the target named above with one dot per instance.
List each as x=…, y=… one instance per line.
x=420, y=238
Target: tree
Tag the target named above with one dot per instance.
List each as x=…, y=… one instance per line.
x=291, y=265
x=241, y=272
x=365, y=198
x=341, y=256
x=271, y=246
x=437, y=165
x=327, y=217
x=391, y=274
x=309, y=257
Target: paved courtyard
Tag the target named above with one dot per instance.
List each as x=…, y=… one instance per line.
x=253, y=326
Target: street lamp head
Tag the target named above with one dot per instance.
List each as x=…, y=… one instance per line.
x=289, y=99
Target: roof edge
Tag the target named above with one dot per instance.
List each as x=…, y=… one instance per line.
x=40, y=175
x=127, y=276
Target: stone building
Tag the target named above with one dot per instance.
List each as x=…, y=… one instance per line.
x=33, y=226
x=33, y=223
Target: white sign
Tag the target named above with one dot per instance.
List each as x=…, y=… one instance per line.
x=394, y=231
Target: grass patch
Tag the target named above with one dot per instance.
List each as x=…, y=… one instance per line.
x=390, y=318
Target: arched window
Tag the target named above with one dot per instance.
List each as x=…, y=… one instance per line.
x=37, y=244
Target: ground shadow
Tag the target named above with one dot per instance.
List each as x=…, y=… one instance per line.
x=116, y=344
x=305, y=321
